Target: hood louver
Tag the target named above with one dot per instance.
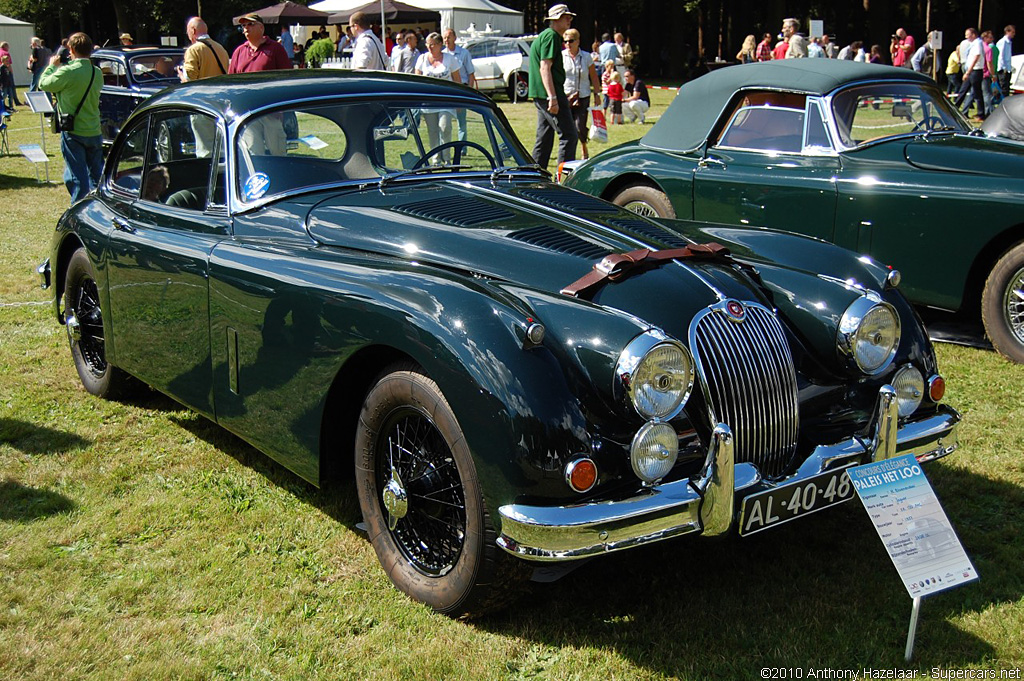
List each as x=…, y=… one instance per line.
x=569, y=200
x=651, y=231
x=563, y=242
x=460, y=212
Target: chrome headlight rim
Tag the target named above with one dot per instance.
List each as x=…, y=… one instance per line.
x=850, y=324
x=630, y=360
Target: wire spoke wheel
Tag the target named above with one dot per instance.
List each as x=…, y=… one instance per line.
x=415, y=462
x=84, y=322
x=422, y=500
x=1013, y=304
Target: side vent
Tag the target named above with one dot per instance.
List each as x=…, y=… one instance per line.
x=569, y=200
x=563, y=242
x=461, y=212
x=650, y=231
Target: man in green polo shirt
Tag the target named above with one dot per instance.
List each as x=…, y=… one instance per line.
x=77, y=86
x=547, y=80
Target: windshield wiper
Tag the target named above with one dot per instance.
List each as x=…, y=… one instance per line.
x=424, y=170
x=510, y=170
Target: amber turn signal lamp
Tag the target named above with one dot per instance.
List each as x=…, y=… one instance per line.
x=581, y=475
x=936, y=388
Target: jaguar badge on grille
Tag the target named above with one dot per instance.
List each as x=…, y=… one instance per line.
x=735, y=310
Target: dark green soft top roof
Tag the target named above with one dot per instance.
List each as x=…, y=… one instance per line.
x=690, y=117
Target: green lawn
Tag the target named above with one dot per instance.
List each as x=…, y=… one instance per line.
x=140, y=541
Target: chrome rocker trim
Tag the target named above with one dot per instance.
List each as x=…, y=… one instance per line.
x=703, y=504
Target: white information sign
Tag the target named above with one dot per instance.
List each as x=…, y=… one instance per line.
x=817, y=28
x=39, y=102
x=34, y=153
x=912, y=525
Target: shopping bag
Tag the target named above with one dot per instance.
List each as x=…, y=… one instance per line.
x=599, y=130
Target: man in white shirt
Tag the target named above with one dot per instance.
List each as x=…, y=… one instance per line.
x=368, y=52
x=797, y=43
x=974, y=66
x=1005, y=67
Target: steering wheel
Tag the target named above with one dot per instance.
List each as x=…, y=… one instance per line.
x=930, y=123
x=457, y=145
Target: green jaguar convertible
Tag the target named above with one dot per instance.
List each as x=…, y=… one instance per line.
x=363, y=276
x=872, y=158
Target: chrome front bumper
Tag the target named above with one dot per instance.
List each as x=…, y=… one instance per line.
x=708, y=502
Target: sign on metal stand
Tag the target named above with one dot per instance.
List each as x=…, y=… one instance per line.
x=40, y=103
x=914, y=529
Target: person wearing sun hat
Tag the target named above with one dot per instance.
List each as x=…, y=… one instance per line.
x=258, y=52
x=547, y=89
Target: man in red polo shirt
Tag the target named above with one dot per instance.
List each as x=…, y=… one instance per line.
x=258, y=52
x=266, y=134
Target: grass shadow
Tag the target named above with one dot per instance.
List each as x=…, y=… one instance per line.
x=30, y=438
x=821, y=593
x=17, y=182
x=20, y=503
x=336, y=498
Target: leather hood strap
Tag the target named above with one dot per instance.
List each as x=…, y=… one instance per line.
x=618, y=266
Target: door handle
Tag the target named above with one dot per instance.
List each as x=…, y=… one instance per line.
x=708, y=162
x=122, y=225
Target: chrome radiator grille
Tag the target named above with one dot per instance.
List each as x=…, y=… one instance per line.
x=749, y=381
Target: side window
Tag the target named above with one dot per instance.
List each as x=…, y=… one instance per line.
x=765, y=128
x=218, y=183
x=477, y=50
x=817, y=139
x=113, y=72
x=127, y=175
x=180, y=160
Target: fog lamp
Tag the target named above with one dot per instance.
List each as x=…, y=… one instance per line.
x=654, y=451
x=909, y=385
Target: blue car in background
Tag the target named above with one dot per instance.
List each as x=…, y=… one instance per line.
x=131, y=75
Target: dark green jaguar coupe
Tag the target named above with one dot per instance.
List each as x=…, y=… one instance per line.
x=362, y=276
x=872, y=158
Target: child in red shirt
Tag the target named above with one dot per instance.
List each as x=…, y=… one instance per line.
x=615, y=96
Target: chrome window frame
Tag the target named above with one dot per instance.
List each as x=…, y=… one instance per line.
x=236, y=206
x=833, y=128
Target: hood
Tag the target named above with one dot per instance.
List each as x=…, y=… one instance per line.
x=533, y=235
x=966, y=154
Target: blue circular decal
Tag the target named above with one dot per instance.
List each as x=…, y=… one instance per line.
x=255, y=187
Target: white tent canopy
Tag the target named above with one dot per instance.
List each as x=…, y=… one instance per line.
x=19, y=35
x=457, y=14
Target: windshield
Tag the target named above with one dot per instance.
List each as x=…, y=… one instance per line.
x=310, y=146
x=155, y=67
x=871, y=112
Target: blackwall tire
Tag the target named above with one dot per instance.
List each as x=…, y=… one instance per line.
x=421, y=500
x=83, y=320
x=645, y=200
x=1002, y=304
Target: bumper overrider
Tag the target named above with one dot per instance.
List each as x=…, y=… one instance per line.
x=710, y=503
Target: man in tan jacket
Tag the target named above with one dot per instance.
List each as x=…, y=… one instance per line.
x=204, y=58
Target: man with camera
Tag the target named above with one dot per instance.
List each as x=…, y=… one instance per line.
x=77, y=88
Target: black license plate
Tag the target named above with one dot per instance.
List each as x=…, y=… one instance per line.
x=782, y=504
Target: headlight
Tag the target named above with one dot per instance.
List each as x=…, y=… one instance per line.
x=654, y=451
x=869, y=333
x=909, y=385
x=657, y=375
